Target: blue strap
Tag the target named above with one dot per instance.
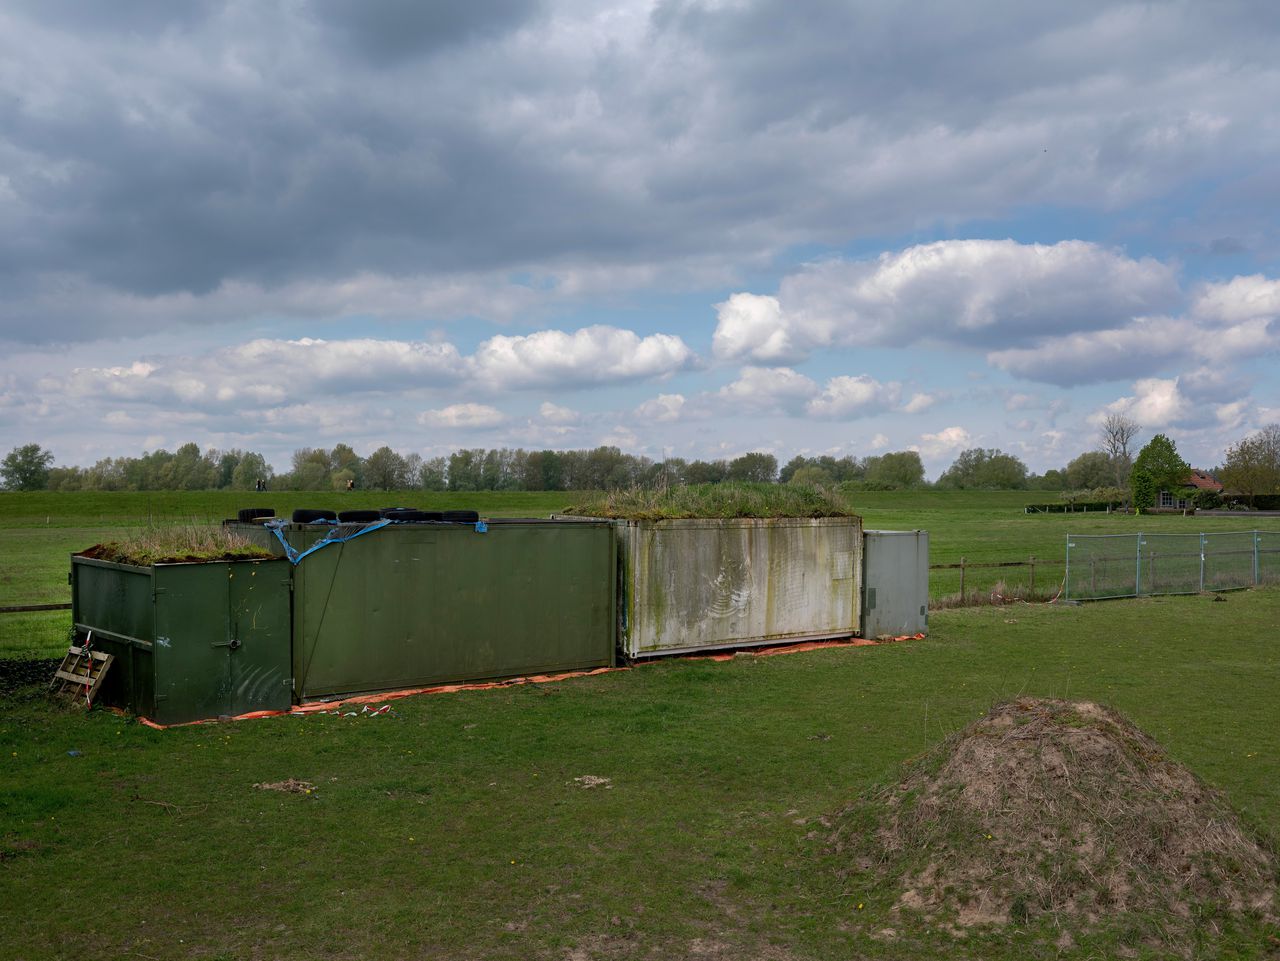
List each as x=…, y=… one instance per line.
x=295, y=557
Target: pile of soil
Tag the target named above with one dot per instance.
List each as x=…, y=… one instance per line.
x=1048, y=810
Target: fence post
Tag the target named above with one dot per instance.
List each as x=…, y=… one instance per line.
x=1257, y=536
x=1201, y=563
x=1031, y=590
x=1137, y=571
x=962, y=580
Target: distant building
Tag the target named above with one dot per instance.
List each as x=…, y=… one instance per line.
x=1180, y=499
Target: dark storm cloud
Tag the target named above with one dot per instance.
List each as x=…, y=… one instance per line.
x=391, y=31
x=171, y=150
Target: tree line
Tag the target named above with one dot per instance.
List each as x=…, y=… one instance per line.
x=1251, y=467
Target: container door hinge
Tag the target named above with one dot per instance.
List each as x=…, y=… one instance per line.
x=287, y=682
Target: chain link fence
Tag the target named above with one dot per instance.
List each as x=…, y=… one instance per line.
x=1128, y=565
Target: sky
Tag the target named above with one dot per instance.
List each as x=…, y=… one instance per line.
x=684, y=229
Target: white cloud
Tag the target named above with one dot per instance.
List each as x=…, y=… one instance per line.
x=970, y=293
x=752, y=326
x=919, y=403
x=555, y=414
x=1155, y=403
x=845, y=398
x=592, y=355
x=474, y=416
x=766, y=390
x=663, y=409
x=1239, y=299
x=879, y=442
x=949, y=440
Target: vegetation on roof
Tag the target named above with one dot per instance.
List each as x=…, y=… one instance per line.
x=177, y=544
x=725, y=500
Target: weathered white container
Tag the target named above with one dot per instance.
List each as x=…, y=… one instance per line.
x=691, y=585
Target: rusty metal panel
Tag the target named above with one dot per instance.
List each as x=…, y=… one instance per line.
x=896, y=583
x=412, y=605
x=702, y=584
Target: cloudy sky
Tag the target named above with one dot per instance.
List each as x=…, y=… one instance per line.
x=682, y=228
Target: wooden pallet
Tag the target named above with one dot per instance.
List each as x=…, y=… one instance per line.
x=81, y=673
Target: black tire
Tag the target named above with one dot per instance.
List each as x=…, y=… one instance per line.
x=304, y=515
x=398, y=513
x=407, y=515
x=249, y=514
x=359, y=517
x=460, y=517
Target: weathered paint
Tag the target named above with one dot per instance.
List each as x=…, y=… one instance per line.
x=192, y=641
x=896, y=583
x=703, y=584
x=413, y=605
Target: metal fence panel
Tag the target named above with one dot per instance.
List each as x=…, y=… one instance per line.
x=1229, y=561
x=1268, y=552
x=1125, y=565
x=1170, y=564
x=1102, y=565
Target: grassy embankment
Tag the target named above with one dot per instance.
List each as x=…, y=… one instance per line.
x=457, y=829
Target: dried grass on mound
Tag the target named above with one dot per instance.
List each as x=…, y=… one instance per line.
x=1059, y=811
x=178, y=544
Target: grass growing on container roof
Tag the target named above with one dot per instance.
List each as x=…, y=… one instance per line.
x=177, y=544
x=466, y=826
x=727, y=500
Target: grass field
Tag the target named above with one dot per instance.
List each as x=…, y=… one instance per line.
x=39, y=530
x=456, y=829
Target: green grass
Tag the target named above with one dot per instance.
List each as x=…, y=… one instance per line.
x=722, y=501
x=456, y=829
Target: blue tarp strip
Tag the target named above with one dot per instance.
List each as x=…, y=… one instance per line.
x=293, y=554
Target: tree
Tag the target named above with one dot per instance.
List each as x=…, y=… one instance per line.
x=813, y=477
x=896, y=469
x=758, y=467
x=26, y=468
x=985, y=470
x=1142, y=488
x=705, y=472
x=385, y=470
x=1252, y=466
x=1160, y=460
x=1118, y=432
x=1091, y=469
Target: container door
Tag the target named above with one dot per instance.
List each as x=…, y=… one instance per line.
x=192, y=646
x=258, y=637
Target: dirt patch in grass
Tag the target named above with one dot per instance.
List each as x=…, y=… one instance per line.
x=1048, y=811
x=288, y=786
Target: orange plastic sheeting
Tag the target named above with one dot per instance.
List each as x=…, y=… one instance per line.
x=318, y=706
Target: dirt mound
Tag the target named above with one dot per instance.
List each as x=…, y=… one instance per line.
x=1062, y=812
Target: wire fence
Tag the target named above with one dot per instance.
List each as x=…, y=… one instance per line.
x=1128, y=565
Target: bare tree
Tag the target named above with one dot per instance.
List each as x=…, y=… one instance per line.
x=1118, y=432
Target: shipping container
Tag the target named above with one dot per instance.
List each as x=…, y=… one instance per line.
x=701, y=584
x=190, y=641
x=412, y=605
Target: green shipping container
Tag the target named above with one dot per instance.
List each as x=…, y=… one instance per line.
x=191, y=641
x=412, y=605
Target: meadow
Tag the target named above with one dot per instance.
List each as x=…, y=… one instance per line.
x=680, y=808
x=469, y=825
x=38, y=531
